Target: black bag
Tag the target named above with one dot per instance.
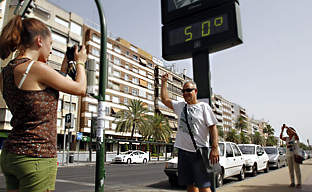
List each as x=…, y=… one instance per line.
x=298, y=159
x=202, y=153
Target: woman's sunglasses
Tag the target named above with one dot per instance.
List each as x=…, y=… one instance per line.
x=187, y=90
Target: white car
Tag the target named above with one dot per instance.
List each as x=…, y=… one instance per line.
x=132, y=157
x=231, y=160
x=256, y=158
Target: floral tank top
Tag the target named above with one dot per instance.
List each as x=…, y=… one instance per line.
x=34, y=115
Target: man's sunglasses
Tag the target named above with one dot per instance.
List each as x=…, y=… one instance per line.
x=187, y=90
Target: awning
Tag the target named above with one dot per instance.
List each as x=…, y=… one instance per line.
x=143, y=61
x=115, y=110
x=143, y=83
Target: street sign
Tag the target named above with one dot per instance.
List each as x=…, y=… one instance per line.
x=173, y=10
x=69, y=120
x=212, y=30
x=79, y=136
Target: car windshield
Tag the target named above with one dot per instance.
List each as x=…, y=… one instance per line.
x=247, y=149
x=270, y=150
x=127, y=153
x=221, y=149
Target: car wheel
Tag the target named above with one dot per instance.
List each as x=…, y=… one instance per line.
x=144, y=161
x=173, y=182
x=278, y=165
x=266, y=170
x=128, y=161
x=241, y=175
x=254, y=170
x=219, y=179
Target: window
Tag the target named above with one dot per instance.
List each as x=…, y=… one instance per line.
x=142, y=93
x=149, y=85
x=126, y=101
x=117, y=49
x=135, y=80
x=107, y=97
x=114, y=125
x=126, y=77
x=127, y=53
x=150, y=97
x=67, y=106
x=106, y=123
x=92, y=108
x=150, y=64
x=89, y=122
x=59, y=122
x=107, y=110
x=74, y=27
x=95, y=52
x=134, y=92
x=73, y=42
x=116, y=73
x=58, y=53
x=136, y=58
x=61, y=21
x=115, y=99
x=236, y=150
x=229, y=151
x=59, y=38
x=142, y=72
x=109, y=45
x=97, y=39
x=150, y=107
x=127, y=66
x=117, y=61
x=150, y=76
x=126, y=89
x=116, y=87
x=135, y=70
x=59, y=105
x=110, y=56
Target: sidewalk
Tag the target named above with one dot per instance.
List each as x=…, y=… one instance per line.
x=274, y=181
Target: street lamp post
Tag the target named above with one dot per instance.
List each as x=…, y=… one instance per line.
x=100, y=142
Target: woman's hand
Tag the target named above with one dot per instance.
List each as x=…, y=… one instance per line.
x=64, y=67
x=81, y=56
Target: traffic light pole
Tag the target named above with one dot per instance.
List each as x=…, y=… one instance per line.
x=100, y=143
x=202, y=77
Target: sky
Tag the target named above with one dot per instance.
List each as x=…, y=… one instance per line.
x=269, y=75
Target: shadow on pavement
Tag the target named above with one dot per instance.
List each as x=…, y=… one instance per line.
x=164, y=185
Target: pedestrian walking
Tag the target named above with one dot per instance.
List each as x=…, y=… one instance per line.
x=201, y=120
x=30, y=89
x=292, y=149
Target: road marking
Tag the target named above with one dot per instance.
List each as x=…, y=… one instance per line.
x=75, y=182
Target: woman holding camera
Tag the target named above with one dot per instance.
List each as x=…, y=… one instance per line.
x=292, y=149
x=31, y=90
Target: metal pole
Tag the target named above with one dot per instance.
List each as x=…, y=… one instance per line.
x=64, y=143
x=67, y=143
x=100, y=144
x=201, y=75
x=90, y=142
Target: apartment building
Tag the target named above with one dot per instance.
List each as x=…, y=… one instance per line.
x=174, y=87
x=130, y=76
x=66, y=30
x=224, y=112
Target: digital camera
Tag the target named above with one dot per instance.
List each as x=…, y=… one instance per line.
x=71, y=51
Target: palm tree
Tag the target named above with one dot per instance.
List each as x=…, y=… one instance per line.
x=256, y=138
x=232, y=136
x=271, y=141
x=133, y=118
x=270, y=131
x=244, y=139
x=241, y=123
x=220, y=131
x=158, y=129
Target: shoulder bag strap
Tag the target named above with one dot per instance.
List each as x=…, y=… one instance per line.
x=189, y=129
x=25, y=74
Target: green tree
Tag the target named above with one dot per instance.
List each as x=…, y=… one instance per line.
x=134, y=118
x=220, y=131
x=256, y=138
x=271, y=141
x=232, y=136
x=241, y=123
x=243, y=138
x=158, y=129
x=269, y=130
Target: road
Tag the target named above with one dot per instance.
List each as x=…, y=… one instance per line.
x=119, y=177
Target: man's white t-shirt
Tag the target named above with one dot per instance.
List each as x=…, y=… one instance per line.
x=200, y=117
